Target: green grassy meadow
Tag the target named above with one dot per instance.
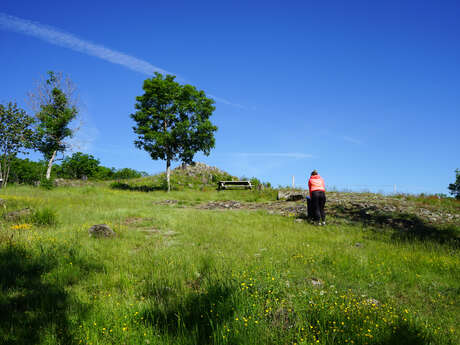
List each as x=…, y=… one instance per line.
x=175, y=274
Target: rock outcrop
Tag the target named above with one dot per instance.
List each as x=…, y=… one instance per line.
x=292, y=195
x=101, y=230
x=19, y=214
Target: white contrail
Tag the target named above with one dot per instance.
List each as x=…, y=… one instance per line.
x=275, y=154
x=63, y=39
x=70, y=41
x=352, y=140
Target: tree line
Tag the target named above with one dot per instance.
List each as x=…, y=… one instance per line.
x=78, y=166
x=172, y=124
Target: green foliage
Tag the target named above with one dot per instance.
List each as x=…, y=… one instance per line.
x=455, y=187
x=127, y=173
x=180, y=180
x=15, y=136
x=79, y=165
x=47, y=183
x=25, y=171
x=104, y=173
x=172, y=120
x=56, y=112
x=44, y=217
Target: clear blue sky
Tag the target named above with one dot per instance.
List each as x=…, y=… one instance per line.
x=366, y=92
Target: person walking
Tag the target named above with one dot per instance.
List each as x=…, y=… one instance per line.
x=318, y=197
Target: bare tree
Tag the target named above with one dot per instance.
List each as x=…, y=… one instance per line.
x=55, y=103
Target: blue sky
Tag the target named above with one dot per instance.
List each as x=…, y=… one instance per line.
x=365, y=92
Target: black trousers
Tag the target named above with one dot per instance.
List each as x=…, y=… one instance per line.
x=318, y=200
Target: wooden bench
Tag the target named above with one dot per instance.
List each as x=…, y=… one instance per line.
x=229, y=184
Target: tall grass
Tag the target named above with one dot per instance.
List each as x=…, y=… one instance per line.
x=179, y=275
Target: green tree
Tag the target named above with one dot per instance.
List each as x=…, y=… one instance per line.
x=79, y=165
x=25, y=171
x=104, y=173
x=455, y=187
x=127, y=173
x=15, y=136
x=56, y=108
x=173, y=121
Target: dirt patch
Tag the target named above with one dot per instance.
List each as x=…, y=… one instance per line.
x=166, y=202
x=136, y=221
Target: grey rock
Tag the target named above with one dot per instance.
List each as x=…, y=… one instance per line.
x=101, y=230
x=316, y=282
x=292, y=195
x=16, y=215
x=373, y=302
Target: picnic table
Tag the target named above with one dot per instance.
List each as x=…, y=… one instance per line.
x=232, y=184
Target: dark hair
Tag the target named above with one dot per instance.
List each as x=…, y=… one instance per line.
x=314, y=172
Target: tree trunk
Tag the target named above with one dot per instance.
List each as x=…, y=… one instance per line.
x=7, y=174
x=1, y=174
x=168, y=173
x=50, y=164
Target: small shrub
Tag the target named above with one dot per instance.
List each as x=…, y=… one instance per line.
x=47, y=184
x=45, y=216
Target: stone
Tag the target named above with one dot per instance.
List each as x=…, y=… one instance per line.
x=101, y=230
x=170, y=233
x=373, y=302
x=316, y=282
x=292, y=195
x=16, y=215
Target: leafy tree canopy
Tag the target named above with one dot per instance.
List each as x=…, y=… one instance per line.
x=172, y=121
x=455, y=187
x=79, y=165
x=15, y=136
x=56, y=110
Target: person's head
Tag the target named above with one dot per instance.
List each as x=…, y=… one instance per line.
x=314, y=172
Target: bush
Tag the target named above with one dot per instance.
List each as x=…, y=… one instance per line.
x=128, y=173
x=79, y=165
x=455, y=187
x=47, y=184
x=25, y=171
x=45, y=216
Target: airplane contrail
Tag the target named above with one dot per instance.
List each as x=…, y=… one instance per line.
x=274, y=154
x=63, y=39
x=60, y=38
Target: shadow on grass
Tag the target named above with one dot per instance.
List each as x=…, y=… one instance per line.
x=406, y=226
x=142, y=188
x=404, y=335
x=192, y=318
x=31, y=309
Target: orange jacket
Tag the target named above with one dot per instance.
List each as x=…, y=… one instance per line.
x=316, y=182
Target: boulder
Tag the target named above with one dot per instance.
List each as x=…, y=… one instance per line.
x=101, y=230
x=292, y=195
x=16, y=215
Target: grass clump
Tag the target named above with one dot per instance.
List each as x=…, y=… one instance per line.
x=44, y=217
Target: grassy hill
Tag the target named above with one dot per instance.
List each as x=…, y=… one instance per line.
x=197, y=266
